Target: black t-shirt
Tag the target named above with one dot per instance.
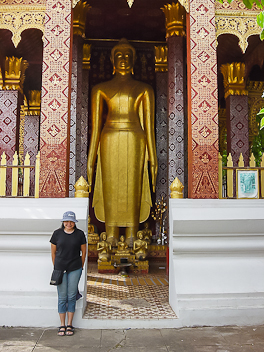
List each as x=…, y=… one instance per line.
x=68, y=247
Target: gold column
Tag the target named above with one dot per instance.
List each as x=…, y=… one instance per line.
x=234, y=81
x=161, y=58
x=79, y=16
x=32, y=107
x=175, y=15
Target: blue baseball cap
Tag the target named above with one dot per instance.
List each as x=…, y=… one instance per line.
x=69, y=216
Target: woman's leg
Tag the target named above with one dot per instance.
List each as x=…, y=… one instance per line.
x=62, y=302
x=73, y=281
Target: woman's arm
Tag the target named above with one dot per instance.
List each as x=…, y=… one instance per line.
x=83, y=249
x=53, y=252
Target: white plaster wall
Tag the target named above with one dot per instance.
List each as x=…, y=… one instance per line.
x=217, y=261
x=26, y=225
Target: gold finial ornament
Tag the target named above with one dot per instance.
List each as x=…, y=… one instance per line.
x=161, y=58
x=176, y=189
x=130, y=3
x=175, y=15
x=234, y=81
x=14, y=74
x=79, y=16
x=86, y=56
x=81, y=188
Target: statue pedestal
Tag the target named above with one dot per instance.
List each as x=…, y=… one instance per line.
x=106, y=267
x=141, y=267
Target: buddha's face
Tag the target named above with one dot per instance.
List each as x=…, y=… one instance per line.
x=140, y=235
x=104, y=237
x=122, y=238
x=123, y=60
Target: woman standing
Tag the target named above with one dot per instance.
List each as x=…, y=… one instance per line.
x=66, y=244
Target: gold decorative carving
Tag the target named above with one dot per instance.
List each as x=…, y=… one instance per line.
x=86, y=56
x=161, y=63
x=234, y=82
x=81, y=188
x=175, y=15
x=255, y=103
x=18, y=18
x=240, y=24
x=222, y=129
x=33, y=109
x=176, y=189
x=74, y=3
x=14, y=74
x=79, y=17
x=185, y=4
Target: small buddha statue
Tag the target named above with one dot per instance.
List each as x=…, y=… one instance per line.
x=140, y=247
x=147, y=233
x=122, y=247
x=93, y=237
x=104, y=249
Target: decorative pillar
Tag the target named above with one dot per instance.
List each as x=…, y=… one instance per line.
x=29, y=131
x=85, y=107
x=10, y=101
x=236, y=111
x=161, y=68
x=202, y=101
x=76, y=161
x=54, y=127
x=175, y=15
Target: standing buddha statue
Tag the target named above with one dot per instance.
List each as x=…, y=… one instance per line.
x=124, y=145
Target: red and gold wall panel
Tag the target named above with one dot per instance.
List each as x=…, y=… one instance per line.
x=237, y=127
x=203, y=101
x=8, y=129
x=55, y=100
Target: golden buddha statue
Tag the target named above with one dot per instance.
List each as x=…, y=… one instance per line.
x=93, y=237
x=104, y=249
x=124, y=145
x=147, y=233
x=122, y=247
x=140, y=247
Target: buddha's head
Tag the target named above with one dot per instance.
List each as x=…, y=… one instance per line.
x=123, y=57
x=103, y=236
x=140, y=235
x=122, y=238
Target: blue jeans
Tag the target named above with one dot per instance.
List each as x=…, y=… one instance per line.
x=67, y=291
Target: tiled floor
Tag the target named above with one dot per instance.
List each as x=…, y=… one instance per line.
x=110, y=296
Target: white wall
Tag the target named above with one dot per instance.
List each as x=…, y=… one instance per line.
x=26, y=225
x=217, y=261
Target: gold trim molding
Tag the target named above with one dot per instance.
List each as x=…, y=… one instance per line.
x=14, y=74
x=161, y=58
x=17, y=18
x=240, y=24
x=175, y=19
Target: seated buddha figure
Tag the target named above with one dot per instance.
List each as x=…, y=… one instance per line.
x=140, y=247
x=93, y=237
x=122, y=247
x=147, y=233
x=104, y=249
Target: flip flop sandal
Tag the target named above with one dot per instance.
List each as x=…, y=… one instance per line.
x=69, y=330
x=61, y=330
